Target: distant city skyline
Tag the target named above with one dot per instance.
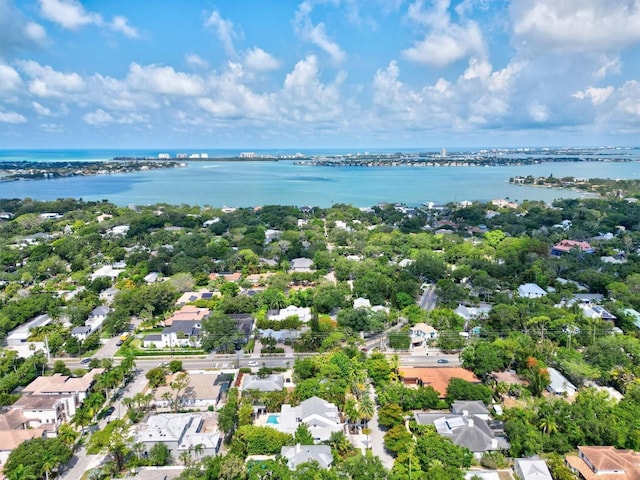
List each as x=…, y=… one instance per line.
x=257, y=74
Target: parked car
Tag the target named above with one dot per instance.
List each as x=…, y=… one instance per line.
x=85, y=361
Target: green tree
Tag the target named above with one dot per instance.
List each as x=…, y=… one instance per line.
x=40, y=456
x=390, y=415
x=398, y=439
x=303, y=435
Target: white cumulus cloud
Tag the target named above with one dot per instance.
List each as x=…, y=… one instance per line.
x=260, y=61
x=596, y=95
x=576, y=26
x=12, y=117
x=9, y=79
x=47, y=82
x=445, y=41
x=69, y=14
x=164, y=80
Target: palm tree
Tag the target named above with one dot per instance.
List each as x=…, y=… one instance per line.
x=366, y=409
x=67, y=434
x=22, y=473
x=351, y=413
x=49, y=463
x=185, y=458
x=198, y=449
x=548, y=425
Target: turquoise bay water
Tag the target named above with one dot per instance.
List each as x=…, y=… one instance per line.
x=251, y=183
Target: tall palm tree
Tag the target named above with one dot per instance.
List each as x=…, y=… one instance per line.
x=49, y=463
x=351, y=413
x=366, y=409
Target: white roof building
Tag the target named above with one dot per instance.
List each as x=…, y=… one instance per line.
x=179, y=432
x=532, y=469
x=531, y=290
x=321, y=417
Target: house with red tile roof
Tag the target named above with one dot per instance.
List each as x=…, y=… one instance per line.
x=605, y=463
x=565, y=246
x=436, y=377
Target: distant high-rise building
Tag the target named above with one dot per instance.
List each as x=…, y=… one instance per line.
x=443, y=153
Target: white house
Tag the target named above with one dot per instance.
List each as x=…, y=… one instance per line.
x=303, y=313
x=531, y=290
x=531, y=469
x=180, y=432
x=321, y=417
x=559, y=384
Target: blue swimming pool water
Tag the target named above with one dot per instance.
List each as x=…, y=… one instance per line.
x=273, y=419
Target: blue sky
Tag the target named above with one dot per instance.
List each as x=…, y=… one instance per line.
x=318, y=73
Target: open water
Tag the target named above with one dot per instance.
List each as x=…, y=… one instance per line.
x=251, y=183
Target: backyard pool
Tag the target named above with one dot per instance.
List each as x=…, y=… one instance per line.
x=273, y=419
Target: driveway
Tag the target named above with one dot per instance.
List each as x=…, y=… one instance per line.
x=376, y=440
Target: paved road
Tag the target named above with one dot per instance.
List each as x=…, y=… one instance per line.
x=428, y=299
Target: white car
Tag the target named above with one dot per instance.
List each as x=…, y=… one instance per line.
x=253, y=364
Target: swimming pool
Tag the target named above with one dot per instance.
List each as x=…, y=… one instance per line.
x=273, y=419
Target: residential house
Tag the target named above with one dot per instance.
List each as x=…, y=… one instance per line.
x=301, y=265
x=299, y=454
x=303, y=313
x=81, y=333
x=559, y=384
x=472, y=313
x=531, y=290
x=270, y=235
x=531, y=469
x=282, y=335
x=321, y=417
x=605, y=463
x=270, y=383
x=18, y=336
x=11, y=439
x=188, y=313
x=465, y=430
x=181, y=333
x=152, y=277
x=244, y=324
x=421, y=333
x=49, y=401
x=470, y=407
x=110, y=271
x=566, y=246
x=180, y=432
x=206, y=389
x=436, y=377
x=108, y=295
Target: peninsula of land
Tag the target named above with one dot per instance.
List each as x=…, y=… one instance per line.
x=33, y=170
